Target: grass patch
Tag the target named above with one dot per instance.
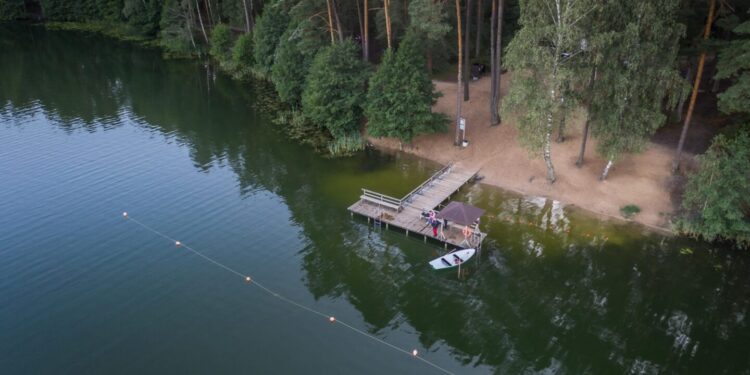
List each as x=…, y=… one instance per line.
x=629, y=211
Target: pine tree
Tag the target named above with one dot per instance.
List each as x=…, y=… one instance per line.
x=429, y=19
x=335, y=90
x=401, y=94
x=734, y=63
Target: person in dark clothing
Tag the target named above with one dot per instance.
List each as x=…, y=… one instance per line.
x=435, y=225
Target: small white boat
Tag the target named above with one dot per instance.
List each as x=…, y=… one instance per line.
x=453, y=259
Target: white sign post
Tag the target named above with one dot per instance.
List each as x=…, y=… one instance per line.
x=462, y=127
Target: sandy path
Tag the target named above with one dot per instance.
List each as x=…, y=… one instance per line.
x=636, y=179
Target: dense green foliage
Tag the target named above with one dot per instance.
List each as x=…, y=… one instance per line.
x=289, y=70
x=635, y=73
x=717, y=196
x=12, y=9
x=544, y=53
x=266, y=36
x=242, y=56
x=221, y=44
x=335, y=91
x=295, y=53
x=401, y=94
x=734, y=62
x=176, y=33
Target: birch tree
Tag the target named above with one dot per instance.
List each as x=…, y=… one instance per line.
x=550, y=39
x=638, y=72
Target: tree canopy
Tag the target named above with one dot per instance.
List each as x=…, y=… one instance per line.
x=717, y=197
x=401, y=94
x=334, y=94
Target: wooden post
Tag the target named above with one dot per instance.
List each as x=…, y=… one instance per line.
x=696, y=86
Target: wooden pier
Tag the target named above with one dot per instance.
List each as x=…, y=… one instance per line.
x=406, y=213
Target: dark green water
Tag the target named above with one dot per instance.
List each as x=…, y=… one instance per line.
x=90, y=127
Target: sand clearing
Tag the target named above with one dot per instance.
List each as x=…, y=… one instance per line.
x=641, y=179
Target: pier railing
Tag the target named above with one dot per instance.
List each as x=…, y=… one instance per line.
x=419, y=188
x=398, y=204
x=382, y=199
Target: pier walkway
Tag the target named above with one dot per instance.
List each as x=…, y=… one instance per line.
x=406, y=213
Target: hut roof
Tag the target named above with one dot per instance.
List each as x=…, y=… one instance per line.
x=460, y=213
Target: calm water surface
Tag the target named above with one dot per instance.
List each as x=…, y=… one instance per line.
x=90, y=127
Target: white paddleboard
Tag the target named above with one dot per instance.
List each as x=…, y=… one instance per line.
x=452, y=259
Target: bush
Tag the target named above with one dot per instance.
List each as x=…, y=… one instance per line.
x=716, y=204
x=242, y=56
x=629, y=211
x=221, y=45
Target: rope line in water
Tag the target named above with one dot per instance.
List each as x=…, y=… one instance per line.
x=414, y=353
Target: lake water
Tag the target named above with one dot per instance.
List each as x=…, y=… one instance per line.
x=91, y=127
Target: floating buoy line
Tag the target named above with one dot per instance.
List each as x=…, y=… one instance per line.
x=247, y=279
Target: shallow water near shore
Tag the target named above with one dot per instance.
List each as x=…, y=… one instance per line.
x=91, y=127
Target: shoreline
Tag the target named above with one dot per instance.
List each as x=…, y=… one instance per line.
x=641, y=179
x=378, y=144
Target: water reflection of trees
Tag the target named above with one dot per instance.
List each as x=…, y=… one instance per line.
x=543, y=294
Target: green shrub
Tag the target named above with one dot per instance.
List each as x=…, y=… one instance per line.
x=716, y=204
x=221, y=45
x=242, y=56
x=629, y=211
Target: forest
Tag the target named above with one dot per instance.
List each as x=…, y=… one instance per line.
x=344, y=68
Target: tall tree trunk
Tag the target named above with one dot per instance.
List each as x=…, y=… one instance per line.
x=330, y=21
x=467, y=48
x=211, y=18
x=189, y=20
x=386, y=6
x=683, y=97
x=247, y=15
x=361, y=27
x=338, y=21
x=605, y=172
x=561, y=129
x=694, y=95
x=585, y=136
x=429, y=59
x=366, y=48
x=548, y=151
x=547, y=148
x=200, y=20
x=561, y=125
x=459, y=83
x=252, y=14
x=493, y=65
x=497, y=53
x=480, y=8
